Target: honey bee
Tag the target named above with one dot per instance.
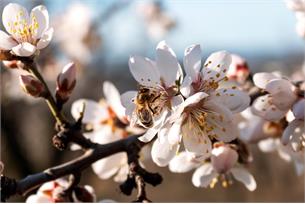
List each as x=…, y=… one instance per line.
x=146, y=106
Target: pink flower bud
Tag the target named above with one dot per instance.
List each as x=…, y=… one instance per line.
x=13, y=64
x=223, y=158
x=66, y=82
x=238, y=70
x=32, y=86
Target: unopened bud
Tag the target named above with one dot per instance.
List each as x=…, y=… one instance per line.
x=32, y=86
x=13, y=64
x=223, y=158
x=238, y=70
x=66, y=82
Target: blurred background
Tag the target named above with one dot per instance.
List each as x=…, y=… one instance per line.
x=99, y=36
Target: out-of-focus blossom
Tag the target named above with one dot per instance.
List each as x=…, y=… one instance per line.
x=280, y=98
x=31, y=85
x=222, y=167
x=298, y=6
x=14, y=64
x=109, y=123
x=66, y=81
x=238, y=70
x=151, y=105
x=77, y=20
x=28, y=33
x=53, y=192
x=294, y=132
x=285, y=152
x=158, y=22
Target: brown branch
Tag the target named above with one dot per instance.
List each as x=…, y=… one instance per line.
x=99, y=151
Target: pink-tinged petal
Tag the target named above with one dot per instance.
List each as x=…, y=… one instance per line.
x=11, y=13
x=264, y=108
x=24, y=49
x=196, y=143
x=245, y=177
x=167, y=64
x=45, y=39
x=282, y=93
x=113, y=99
x=107, y=167
x=174, y=133
x=38, y=199
x=298, y=109
x=128, y=102
x=176, y=101
x=294, y=134
x=220, y=123
x=163, y=152
x=94, y=112
x=39, y=17
x=235, y=100
x=295, y=5
x=144, y=71
x=183, y=162
x=268, y=145
x=192, y=61
x=223, y=158
x=216, y=66
x=204, y=175
x=6, y=41
x=263, y=78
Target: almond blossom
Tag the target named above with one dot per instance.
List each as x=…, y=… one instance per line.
x=27, y=33
x=207, y=112
x=159, y=79
x=108, y=123
x=298, y=6
x=52, y=192
x=223, y=166
x=280, y=98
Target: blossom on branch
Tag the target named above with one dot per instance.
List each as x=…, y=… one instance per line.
x=27, y=33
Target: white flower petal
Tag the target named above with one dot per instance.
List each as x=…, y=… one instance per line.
x=223, y=158
x=9, y=17
x=174, y=133
x=221, y=123
x=183, y=162
x=113, y=98
x=40, y=15
x=204, y=175
x=163, y=152
x=24, y=49
x=38, y=199
x=6, y=41
x=216, y=66
x=262, y=79
x=122, y=174
x=167, y=63
x=192, y=100
x=144, y=71
x=186, y=88
x=127, y=100
x=94, y=112
x=294, y=133
x=268, y=145
x=282, y=93
x=245, y=177
x=235, y=100
x=298, y=109
x=45, y=39
x=107, y=167
x=263, y=107
x=192, y=61
x=195, y=142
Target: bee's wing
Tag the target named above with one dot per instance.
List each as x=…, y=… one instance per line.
x=134, y=119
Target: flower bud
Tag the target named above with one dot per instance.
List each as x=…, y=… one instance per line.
x=13, y=64
x=238, y=70
x=223, y=158
x=32, y=86
x=66, y=82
